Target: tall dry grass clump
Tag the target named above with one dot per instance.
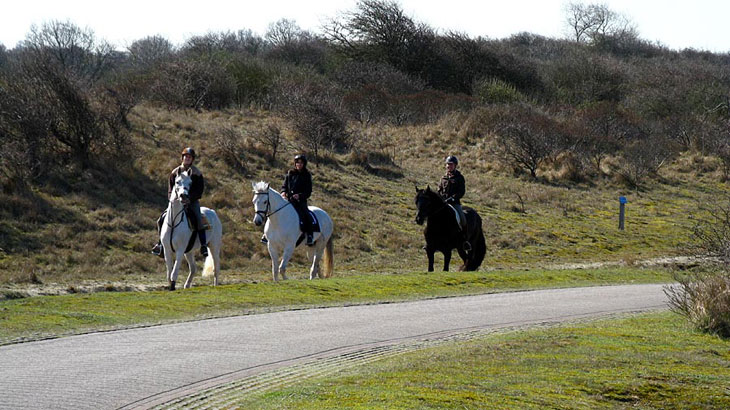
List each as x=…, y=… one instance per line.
x=704, y=298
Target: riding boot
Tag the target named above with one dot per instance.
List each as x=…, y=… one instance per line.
x=203, y=243
x=264, y=239
x=466, y=246
x=158, y=249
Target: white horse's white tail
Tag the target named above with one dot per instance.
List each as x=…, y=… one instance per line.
x=209, y=267
x=328, y=259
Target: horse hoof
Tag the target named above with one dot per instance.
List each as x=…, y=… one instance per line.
x=172, y=285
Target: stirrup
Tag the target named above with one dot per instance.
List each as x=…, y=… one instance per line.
x=158, y=250
x=204, y=251
x=466, y=246
x=310, y=239
x=264, y=239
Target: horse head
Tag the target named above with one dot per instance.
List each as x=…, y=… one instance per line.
x=427, y=203
x=261, y=204
x=181, y=190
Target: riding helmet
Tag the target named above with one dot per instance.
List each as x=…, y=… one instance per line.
x=452, y=159
x=188, y=150
x=302, y=158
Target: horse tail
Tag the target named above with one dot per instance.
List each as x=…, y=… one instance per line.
x=209, y=267
x=479, y=251
x=479, y=247
x=328, y=259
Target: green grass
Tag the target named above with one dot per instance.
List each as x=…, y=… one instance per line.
x=49, y=316
x=648, y=361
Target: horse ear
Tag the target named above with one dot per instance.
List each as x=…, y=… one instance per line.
x=253, y=185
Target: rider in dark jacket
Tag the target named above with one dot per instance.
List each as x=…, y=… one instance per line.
x=452, y=188
x=297, y=188
x=196, y=192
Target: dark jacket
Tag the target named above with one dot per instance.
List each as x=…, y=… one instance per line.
x=297, y=182
x=452, y=185
x=196, y=188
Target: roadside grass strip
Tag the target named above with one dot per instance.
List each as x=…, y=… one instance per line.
x=649, y=360
x=35, y=318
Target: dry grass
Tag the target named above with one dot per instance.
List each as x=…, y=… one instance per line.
x=101, y=228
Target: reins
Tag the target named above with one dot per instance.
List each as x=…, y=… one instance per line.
x=174, y=217
x=265, y=214
x=442, y=207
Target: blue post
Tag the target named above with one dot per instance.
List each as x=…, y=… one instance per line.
x=621, y=212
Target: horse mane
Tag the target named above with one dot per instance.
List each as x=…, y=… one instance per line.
x=431, y=193
x=260, y=187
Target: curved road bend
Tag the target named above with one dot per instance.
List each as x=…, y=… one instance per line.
x=132, y=368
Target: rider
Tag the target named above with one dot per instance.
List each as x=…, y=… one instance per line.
x=191, y=202
x=451, y=188
x=297, y=188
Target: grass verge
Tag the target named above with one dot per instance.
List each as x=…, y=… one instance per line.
x=52, y=316
x=645, y=361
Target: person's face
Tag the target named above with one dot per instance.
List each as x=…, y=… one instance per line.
x=187, y=159
x=450, y=166
x=299, y=164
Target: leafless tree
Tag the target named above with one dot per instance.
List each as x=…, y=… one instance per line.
x=271, y=137
x=590, y=23
x=76, y=51
x=526, y=137
x=150, y=51
x=282, y=32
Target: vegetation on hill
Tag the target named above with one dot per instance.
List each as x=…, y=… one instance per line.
x=549, y=133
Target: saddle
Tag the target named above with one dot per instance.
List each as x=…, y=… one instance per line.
x=459, y=223
x=315, y=227
x=313, y=219
x=192, y=220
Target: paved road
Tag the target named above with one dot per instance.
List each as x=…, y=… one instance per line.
x=132, y=368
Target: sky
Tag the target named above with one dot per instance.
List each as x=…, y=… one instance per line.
x=698, y=24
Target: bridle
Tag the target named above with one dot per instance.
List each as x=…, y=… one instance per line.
x=437, y=210
x=174, y=217
x=265, y=213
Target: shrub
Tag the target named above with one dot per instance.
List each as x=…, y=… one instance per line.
x=704, y=299
x=495, y=91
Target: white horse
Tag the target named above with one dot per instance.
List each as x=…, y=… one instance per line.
x=282, y=232
x=176, y=232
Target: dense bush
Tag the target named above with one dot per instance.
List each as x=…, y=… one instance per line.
x=56, y=108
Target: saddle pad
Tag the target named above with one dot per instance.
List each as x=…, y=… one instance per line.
x=315, y=222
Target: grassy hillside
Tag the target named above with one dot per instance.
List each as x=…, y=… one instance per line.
x=98, y=227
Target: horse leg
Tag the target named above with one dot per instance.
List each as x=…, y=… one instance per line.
x=288, y=252
x=274, y=262
x=429, y=255
x=447, y=260
x=191, y=264
x=175, y=270
x=464, y=256
x=315, y=259
x=216, y=264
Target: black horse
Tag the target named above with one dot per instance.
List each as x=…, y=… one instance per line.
x=442, y=232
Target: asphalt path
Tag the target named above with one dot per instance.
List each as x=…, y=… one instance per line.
x=141, y=367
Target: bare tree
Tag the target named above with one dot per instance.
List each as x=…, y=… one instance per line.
x=283, y=32
x=76, y=51
x=150, y=51
x=271, y=137
x=526, y=137
x=590, y=23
